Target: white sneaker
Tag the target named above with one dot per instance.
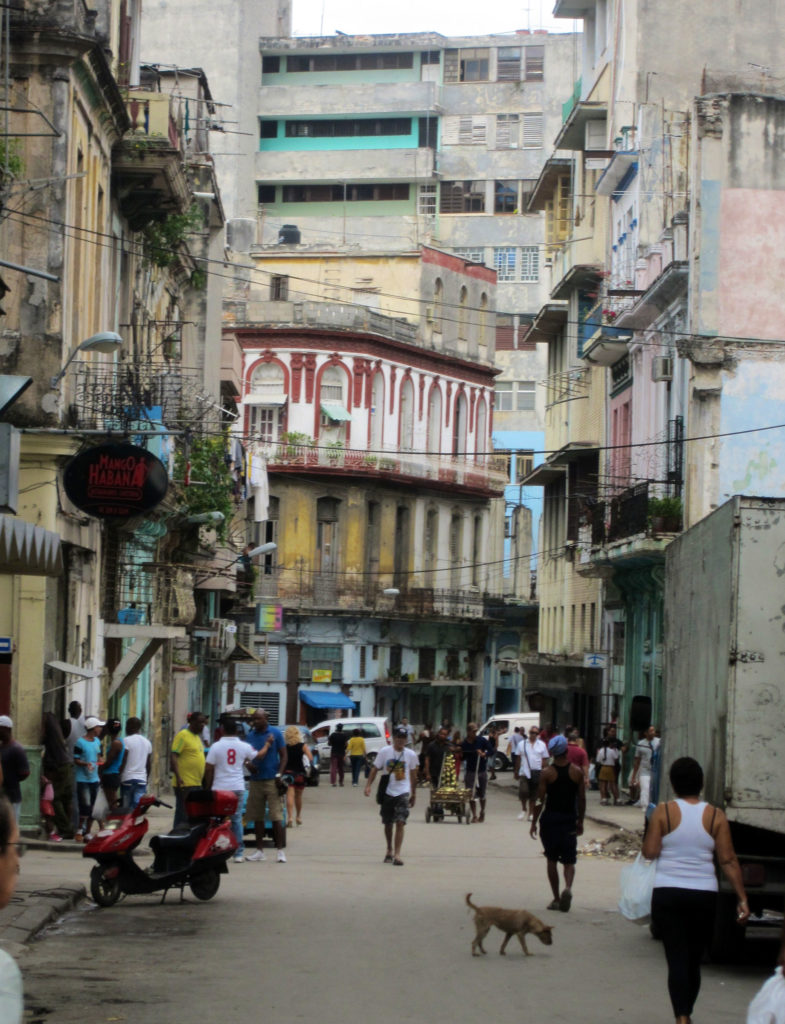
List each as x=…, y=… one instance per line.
x=521, y=816
x=256, y=855
x=239, y=858
x=281, y=857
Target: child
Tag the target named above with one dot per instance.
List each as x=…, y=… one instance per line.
x=47, y=810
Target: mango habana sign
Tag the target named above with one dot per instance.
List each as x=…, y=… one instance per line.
x=115, y=480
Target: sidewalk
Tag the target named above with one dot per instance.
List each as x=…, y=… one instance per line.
x=53, y=878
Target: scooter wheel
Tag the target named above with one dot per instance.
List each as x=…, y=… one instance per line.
x=205, y=885
x=105, y=891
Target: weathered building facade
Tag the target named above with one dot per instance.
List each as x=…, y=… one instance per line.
x=370, y=444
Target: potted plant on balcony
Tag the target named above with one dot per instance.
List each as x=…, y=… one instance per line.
x=293, y=444
x=665, y=515
x=334, y=452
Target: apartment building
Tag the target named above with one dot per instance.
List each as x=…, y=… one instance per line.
x=369, y=436
x=659, y=312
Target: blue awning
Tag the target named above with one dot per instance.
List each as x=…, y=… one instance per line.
x=336, y=412
x=326, y=699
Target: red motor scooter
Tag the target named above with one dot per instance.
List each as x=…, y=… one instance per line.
x=195, y=854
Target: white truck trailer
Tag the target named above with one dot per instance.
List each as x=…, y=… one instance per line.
x=724, y=689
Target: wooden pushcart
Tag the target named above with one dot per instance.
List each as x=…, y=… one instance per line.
x=449, y=797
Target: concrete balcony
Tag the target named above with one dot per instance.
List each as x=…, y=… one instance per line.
x=331, y=315
x=366, y=99
x=457, y=473
x=148, y=167
x=231, y=366
x=350, y=165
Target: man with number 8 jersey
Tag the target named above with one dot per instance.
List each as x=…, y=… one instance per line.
x=226, y=759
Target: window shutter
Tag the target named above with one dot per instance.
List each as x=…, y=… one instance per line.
x=451, y=131
x=532, y=131
x=507, y=136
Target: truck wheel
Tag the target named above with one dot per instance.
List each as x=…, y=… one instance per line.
x=205, y=885
x=105, y=891
x=500, y=763
x=727, y=940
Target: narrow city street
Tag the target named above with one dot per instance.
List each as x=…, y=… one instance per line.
x=336, y=935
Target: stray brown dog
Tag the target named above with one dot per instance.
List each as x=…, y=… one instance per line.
x=511, y=922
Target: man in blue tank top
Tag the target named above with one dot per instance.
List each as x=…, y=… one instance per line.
x=560, y=809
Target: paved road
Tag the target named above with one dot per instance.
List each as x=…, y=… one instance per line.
x=335, y=935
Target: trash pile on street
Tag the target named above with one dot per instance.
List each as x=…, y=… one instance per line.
x=621, y=845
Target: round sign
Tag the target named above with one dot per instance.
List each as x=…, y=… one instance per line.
x=114, y=481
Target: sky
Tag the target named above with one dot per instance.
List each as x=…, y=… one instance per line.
x=449, y=17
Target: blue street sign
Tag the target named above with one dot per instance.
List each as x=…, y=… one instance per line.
x=5, y=645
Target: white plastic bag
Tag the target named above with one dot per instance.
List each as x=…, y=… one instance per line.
x=101, y=805
x=768, y=1006
x=637, y=882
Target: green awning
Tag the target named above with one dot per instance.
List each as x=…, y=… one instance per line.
x=335, y=411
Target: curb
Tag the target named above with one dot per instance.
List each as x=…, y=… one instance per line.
x=29, y=912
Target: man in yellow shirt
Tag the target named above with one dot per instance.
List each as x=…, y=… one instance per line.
x=187, y=764
x=355, y=748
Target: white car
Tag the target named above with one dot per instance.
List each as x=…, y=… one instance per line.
x=504, y=725
x=375, y=731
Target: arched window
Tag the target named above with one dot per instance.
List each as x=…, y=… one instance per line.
x=438, y=299
x=266, y=400
x=407, y=414
x=459, y=425
x=480, y=434
x=435, y=420
x=377, y=412
x=463, y=307
x=332, y=401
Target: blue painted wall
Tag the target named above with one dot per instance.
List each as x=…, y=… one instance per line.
x=515, y=494
x=284, y=144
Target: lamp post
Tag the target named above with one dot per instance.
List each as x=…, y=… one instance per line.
x=104, y=341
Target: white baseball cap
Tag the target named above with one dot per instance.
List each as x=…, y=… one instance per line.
x=93, y=723
x=5, y=722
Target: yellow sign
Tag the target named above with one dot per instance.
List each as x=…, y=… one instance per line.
x=322, y=675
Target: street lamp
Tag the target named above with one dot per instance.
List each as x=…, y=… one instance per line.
x=205, y=517
x=104, y=341
x=263, y=549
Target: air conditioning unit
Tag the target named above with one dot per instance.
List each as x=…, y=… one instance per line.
x=245, y=634
x=429, y=314
x=594, y=137
x=662, y=368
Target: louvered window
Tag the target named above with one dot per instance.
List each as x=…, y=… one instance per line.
x=532, y=131
x=464, y=131
x=508, y=68
x=507, y=131
x=451, y=66
x=535, y=63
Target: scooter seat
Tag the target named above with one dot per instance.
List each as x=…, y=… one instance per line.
x=181, y=839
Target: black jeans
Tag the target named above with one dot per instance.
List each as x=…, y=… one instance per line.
x=684, y=919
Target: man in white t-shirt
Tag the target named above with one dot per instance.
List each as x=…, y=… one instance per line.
x=399, y=764
x=135, y=765
x=225, y=761
x=532, y=753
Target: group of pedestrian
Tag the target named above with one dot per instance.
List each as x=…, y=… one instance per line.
x=261, y=757
x=88, y=769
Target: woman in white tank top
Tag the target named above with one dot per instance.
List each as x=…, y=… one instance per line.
x=684, y=835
